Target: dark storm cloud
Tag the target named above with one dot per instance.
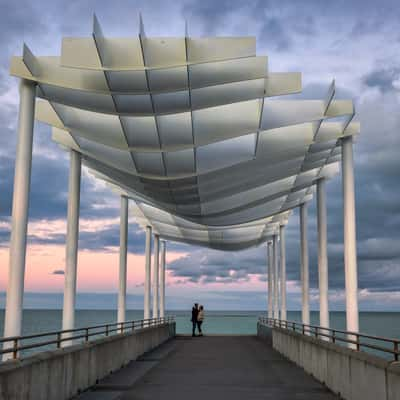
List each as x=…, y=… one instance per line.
x=207, y=266
x=383, y=79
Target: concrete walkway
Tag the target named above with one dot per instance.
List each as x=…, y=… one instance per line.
x=208, y=368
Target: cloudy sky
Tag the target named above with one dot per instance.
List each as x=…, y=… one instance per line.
x=355, y=42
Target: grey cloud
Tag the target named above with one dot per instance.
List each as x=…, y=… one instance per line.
x=377, y=166
x=382, y=78
x=275, y=35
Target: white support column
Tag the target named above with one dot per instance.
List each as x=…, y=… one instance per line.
x=322, y=255
x=123, y=252
x=156, y=272
x=270, y=280
x=283, y=272
x=71, y=253
x=147, y=281
x=19, y=220
x=162, y=279
x=305, y=310
x=276, y=276
x=350, y=245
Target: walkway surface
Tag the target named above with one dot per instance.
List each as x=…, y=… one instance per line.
x=208, y=368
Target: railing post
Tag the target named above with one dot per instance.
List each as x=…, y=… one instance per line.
x=58, y=340
x=396, y=350
x=316, y=332
x=15, y=349
x=358, y=342
x=302, y=328
x=333, y=336
x=87, y=334
x=107, y=330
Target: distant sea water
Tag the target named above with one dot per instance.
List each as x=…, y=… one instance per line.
x=386, y=324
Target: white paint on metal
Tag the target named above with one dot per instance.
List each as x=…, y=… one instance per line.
x=162, y=278
x=350, y=245
x=20, y=207
x=147, y=282
x=270, y=279
x=276, y=275
x=71, y=248
x=283, y=271
x=156, y=275
x=304, y=271
x=322, y=255
x=123, y=251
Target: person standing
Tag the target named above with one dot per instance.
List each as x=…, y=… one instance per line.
x=200, y=319
x=195, y=312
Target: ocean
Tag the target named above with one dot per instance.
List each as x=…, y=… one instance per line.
x=386, y=324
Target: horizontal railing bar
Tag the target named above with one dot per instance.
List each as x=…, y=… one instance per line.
x=348, y=336
x=10, y=338
x=87, y=332
x=347, y=332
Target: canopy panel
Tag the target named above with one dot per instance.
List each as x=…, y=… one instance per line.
x=191, y=129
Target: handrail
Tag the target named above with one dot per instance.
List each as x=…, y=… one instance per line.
x=85, y=332
x=349, y=337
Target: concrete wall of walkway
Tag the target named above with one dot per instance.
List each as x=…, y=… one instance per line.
x=60, y=374
x=351, y=374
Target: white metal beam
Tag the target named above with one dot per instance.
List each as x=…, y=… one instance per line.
x=350, y=245
x=305, y=310
x=71, y=253
x=147, y=282
x=20, y=207
x=123, y=251
x=322, y=255
x=162, y=279
x=156, y=274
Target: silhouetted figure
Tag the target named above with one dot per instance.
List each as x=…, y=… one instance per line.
x=200, y=319
x=195, y=312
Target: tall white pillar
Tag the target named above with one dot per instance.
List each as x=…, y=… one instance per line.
x=283, y=272
x=123, y=252
x=19, y=220
x=350, y=245
x=322, y=255
x=71, y=254
x=156, y=272
x=147, y=280
x=162, y=279
x=276, y=276
x=270, y=280
x=304, y=272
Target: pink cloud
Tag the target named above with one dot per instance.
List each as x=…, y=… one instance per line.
x=97, y=271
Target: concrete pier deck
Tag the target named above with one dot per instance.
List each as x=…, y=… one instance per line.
x=207, y=368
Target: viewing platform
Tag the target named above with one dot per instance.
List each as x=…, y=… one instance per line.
x=146, y=359
x=211, y=367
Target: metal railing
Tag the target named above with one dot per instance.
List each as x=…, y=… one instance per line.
x=358, y=341
x=15, y=344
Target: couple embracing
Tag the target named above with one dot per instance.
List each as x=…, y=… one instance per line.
x=197, y=319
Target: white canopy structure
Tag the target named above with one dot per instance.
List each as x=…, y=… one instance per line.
x=192, y=129
x=197, y=132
